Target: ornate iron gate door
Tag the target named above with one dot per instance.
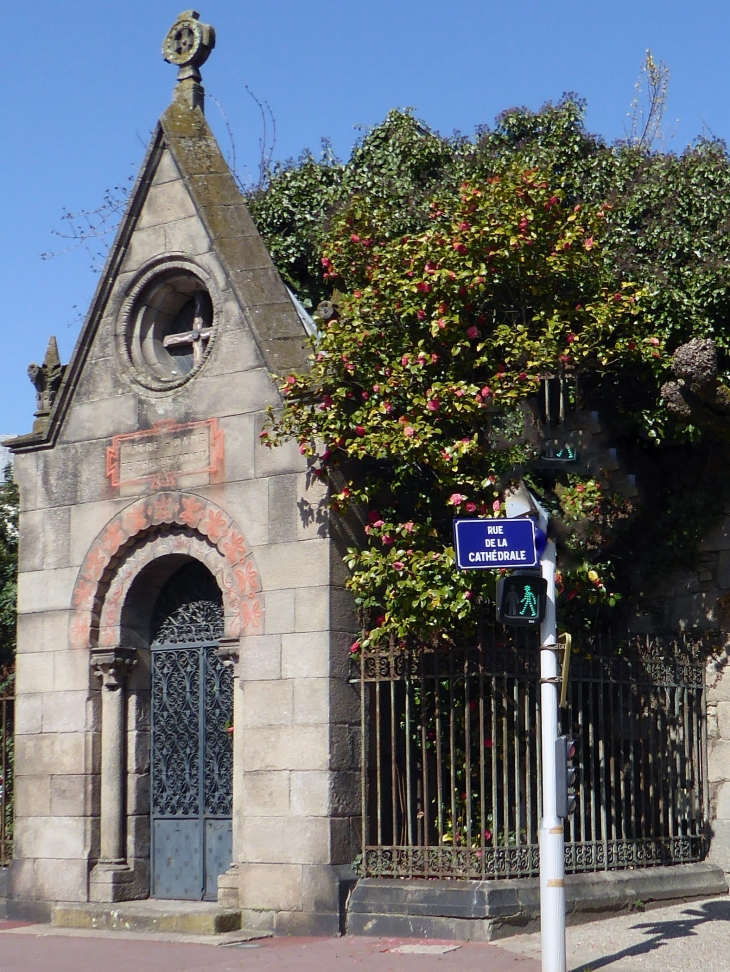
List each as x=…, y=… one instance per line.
x=192, y=771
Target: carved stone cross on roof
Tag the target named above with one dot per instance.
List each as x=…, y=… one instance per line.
x=196, y=336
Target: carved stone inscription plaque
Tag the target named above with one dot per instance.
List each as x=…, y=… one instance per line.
x=165, y=454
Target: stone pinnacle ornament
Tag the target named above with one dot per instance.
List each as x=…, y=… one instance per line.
x=188, y=44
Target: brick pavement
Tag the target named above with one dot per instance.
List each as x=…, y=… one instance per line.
x=40, y=949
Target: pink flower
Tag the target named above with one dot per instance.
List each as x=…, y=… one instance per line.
x=467, y=595
x=495, y=506
x=421, y=315
x=376, y=389
x=435, y=357
x=404, y=360
x=408, y=527
x=409, y=431
x=486, y=391
x=589, y=243
x=378, y=524
x=487, y=834
x=654, y=341
x=471, y=507
x=355, y=238
x=424, y=287
x=360, y=430
x=355, y=647
x=433, y=405
x=472, y=333
x=398, y=565
x=570, y=338
x=456, y=499
x=459, y=247
x=387, y=540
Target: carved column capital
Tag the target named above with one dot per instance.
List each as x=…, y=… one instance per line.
x=228, y=651
x=113, y=665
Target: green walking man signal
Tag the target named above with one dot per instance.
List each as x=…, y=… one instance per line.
x=521, y=599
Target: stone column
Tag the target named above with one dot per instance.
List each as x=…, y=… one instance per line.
x=112, y=667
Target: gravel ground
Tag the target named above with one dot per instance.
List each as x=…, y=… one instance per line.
x=682, y=938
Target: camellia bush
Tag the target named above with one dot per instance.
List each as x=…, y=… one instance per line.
x=461, y=274
x=441, y=338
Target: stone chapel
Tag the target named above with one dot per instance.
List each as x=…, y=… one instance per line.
x=185, y=728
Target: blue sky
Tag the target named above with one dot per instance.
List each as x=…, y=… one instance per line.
x=84, y=82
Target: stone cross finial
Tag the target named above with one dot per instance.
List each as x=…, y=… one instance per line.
x=196, y=336
x=188, y=44
x=47, y=380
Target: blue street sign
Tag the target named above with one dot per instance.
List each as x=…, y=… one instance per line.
x=490, y=544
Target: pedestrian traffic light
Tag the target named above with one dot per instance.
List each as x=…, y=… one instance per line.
x=566, y=798
x=521, y=599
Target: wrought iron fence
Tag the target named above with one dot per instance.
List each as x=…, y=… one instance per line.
x=7, y=702
x=451, y=758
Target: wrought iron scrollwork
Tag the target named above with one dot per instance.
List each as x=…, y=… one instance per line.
x=189, y=609
x=176, y=734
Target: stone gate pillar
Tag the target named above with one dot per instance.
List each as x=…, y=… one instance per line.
x=112, y=871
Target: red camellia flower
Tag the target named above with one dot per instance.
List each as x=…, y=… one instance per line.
x=523, y=376
x=360, y=430
x=486, y=391
x=472, y=333
x=467, y=595
x=355, y=238
x=398, y=565
x=424, y=287
x=421, y=315
x=433, y=405
x=580, y=488
x=387, y=540
x=570, y=338
x=459, y=247
x=355, y=647
x=471, y=507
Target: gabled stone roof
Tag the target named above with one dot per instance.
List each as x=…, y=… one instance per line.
x=266, y=305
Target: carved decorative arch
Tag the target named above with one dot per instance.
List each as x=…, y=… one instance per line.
x=157, y=526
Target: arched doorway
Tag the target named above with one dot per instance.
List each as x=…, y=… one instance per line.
x=191, y=745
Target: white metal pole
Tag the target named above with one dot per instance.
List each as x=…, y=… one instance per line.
x=552, y=860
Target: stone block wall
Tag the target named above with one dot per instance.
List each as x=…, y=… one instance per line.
x=296, y=747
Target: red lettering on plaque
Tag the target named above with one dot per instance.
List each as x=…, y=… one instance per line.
x=164, y=454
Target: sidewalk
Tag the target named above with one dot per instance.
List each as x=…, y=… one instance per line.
x=41, y=948
x=681, y=938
